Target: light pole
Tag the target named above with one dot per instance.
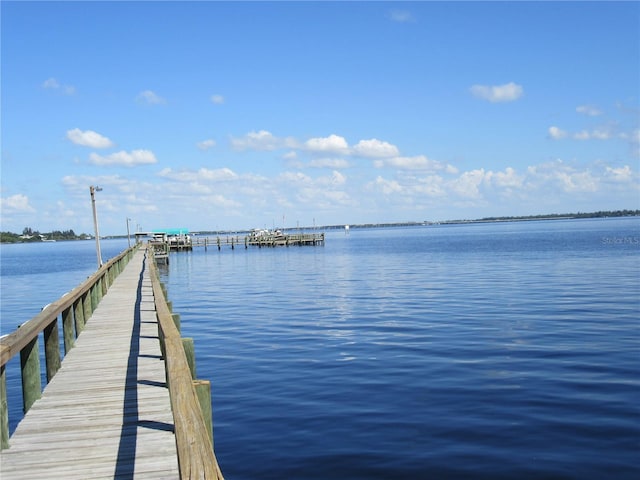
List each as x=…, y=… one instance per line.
x=92, y=190
x=128, y=235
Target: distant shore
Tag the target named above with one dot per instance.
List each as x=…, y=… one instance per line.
x=9, y=237
x=523, y=218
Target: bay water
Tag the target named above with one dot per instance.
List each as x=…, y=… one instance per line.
x=499, y=350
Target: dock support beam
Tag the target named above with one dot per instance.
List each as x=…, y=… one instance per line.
x=4, y=410
x=30, y=367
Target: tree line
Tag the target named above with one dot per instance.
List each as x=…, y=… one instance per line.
x=30, y=235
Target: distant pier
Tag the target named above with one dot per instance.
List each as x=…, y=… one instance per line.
x=260, y=239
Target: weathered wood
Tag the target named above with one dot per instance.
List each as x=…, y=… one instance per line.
x=86, y=302
x=67, y=329
x=190, y=353
x=106, y=413
x=20, y=340
x=52, y=349
x=78, y=315
x=203, y=391
x=30, y=369
x=94, y=296
x=176, y=320
x=195, y=449
x=4, y=410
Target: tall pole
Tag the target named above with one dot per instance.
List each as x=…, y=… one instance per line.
x=128, y=235
x=92, y=190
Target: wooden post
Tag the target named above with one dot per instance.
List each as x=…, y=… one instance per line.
x=162, y=349
x=4, y=411
x=67, y=329
x=98, y=287
x=78, y=315
x=30, y=367
x=88, y=310
x=203, y=392
x=189, y=351
x=176, y=320
x=106, y=283
x=94, y=298
x=52, y=349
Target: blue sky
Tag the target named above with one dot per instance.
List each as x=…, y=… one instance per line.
x=235, y=115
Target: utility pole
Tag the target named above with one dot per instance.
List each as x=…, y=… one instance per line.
x=92, y=190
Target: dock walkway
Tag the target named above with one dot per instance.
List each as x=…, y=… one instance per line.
x=107, y=412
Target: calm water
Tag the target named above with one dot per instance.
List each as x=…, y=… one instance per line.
x=478, y=351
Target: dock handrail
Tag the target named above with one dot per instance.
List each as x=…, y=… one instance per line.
x=75, y=307
x=196, y=458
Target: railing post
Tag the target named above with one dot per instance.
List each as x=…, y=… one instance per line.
x=176, y=320
x=4, y=410
x=78, y=314
x=88, y=308
x=67, y=329
x=93, y=299
x=189, y=351
x=203, y=392
x=30, y=367
x=52, y=349
x=99, y=290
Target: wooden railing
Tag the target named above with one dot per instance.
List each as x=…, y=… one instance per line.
x=75, y=308
x=264, y=240
x=189, y=397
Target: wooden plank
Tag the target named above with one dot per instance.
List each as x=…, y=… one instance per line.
x=107, y=412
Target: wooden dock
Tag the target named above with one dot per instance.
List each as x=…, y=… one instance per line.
x=264, y=240
x=107, y=412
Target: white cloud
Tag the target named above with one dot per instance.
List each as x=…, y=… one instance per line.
x=557, y=173
x=329, y=163
x=375, y=149
x=401, y=16
x=498, y=93
x=150, y=98
x=601, y=133
x=122, y=158
x=578, y=181
x=89, y=138
x=206, y=144
x=467, y=185
x=556, y=133
x=16, y=204
x=203, y=174
x=507, y=179
x=335, y=179
x=418, y=162
x=431, y=185
x=595, y=134
x=332, y=144
x=217, y=99
x=387, y=186
x=53, y=84
x=295, y=178
x=589, y=110
x=262, y=140
x=622, y=174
